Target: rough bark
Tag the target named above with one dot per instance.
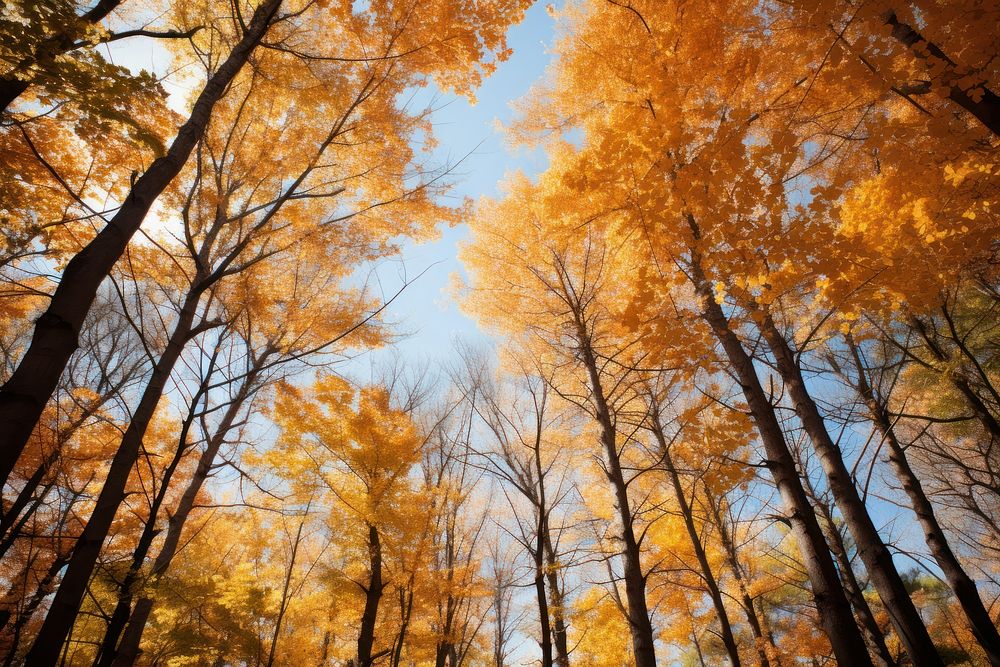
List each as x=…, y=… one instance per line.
x=831, y=603
x=871, y=549
x=55, y=338
x=66, y=604
x=937, y=542
x=643, y=648
x=852, y=587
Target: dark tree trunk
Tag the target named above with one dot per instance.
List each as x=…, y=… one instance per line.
x=405, y=611
x=756, y=626
x=66, y=603
x=725, y=627
x=373, y=594
x=986, y=110
x=831, y=604
x=643, y=647
x=541, y=537
x=126, y=593
x=545, y=642
x=956, y=576
x=55, y=338
x=128, y=648
x=852, y=587
x=872, y=550
x=557, y=604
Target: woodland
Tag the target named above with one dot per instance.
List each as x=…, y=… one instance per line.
x=741, y=399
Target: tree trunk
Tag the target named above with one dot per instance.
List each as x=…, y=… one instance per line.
x=541, y=536
x=373, y=594
x=831, y=604
x=405, y=611
x=126, y=593
x=756, y=627
x=66, y=603
x=128, y=649
x=986, y=110
x=283, y=606
x=545, y=643
x=961, y=583
x=557, y=604
x=643, y=647
x=726, y=628
x=24, y=396
x=869, y=626
x=872, y=550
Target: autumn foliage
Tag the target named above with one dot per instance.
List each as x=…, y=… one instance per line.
x=741, y=399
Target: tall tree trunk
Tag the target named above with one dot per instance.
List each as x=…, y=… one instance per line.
x=834, y=611
x=725, y=627
x=872, y=550
x=545, y=642
x=855, y=593
x=405, y=611
x=126, y=591
x=961, y=583
x=128, y=648
x=66, y=603
x=986, y=110
x=283, y=605
x=557, y=604
x=24, y=396
x=762, y=641
x=541, y=535
x=643, y=648
x=373, y=594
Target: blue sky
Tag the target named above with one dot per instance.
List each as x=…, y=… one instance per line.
x=465, y=132
x=425, y=310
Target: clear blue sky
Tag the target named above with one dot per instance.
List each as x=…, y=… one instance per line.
x=425, y=309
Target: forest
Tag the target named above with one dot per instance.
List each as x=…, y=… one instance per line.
x=734, y=393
